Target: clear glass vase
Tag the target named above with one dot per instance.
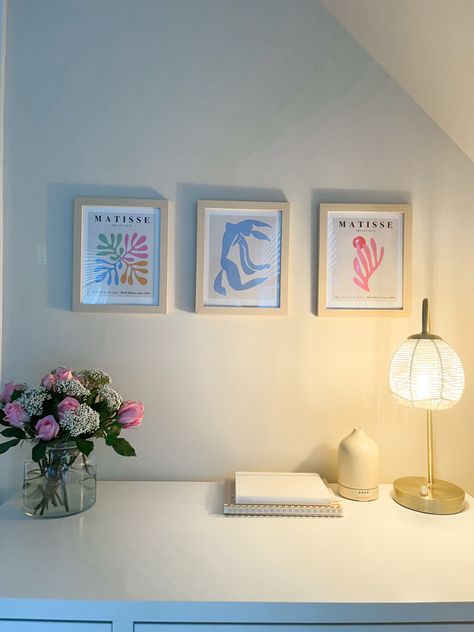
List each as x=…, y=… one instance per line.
x=63, y=483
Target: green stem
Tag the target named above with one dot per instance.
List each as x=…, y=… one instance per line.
x=54, y=468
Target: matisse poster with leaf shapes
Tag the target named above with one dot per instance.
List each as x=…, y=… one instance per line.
x=365, y=257
x=120, y=253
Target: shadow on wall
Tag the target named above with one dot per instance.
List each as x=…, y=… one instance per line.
x=323, y=460
x=187, y=196
x=342, y=196
x=60, y=238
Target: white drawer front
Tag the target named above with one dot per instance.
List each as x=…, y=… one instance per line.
x=334, y=627
x=54, y=626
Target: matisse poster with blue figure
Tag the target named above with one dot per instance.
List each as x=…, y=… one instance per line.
x=242, y=257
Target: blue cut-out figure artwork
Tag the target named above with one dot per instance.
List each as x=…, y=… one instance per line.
x=235, y=235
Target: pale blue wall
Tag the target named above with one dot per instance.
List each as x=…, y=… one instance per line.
x=238, y=99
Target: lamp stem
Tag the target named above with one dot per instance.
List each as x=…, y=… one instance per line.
x=429, y=434
x=425, y=317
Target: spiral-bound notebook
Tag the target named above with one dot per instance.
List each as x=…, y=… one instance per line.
x=231, y=508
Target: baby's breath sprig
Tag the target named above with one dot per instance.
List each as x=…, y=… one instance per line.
x=93, y=378
x=82, y=420
x=110, y=397
x=32, y=400
x=72, y=388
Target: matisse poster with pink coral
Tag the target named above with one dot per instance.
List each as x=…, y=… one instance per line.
x=363, y=258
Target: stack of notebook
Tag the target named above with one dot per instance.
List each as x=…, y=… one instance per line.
x=280, y=494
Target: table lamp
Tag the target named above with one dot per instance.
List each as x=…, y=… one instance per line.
x=425, y=372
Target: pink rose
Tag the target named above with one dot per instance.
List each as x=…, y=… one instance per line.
x=47, y=428
x=68, y=403
x=64, y=374
x=48, y=381
x=130, y=414
x=15, y=415
x=7, y=392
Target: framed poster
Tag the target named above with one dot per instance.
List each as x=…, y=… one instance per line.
x=120, y=255
x=242, y=257
x=364, y=260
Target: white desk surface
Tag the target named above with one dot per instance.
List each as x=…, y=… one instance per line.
x=162, y=541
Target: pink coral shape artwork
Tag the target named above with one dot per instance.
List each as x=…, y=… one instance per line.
x=366, y=262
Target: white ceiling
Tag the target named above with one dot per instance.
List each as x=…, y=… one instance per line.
x=427, y=46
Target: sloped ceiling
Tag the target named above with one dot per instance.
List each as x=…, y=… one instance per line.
x=427, y=46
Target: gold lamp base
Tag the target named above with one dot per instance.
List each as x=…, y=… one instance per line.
x=441, y=497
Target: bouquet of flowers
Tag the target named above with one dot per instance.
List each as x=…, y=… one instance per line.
x=69, y=407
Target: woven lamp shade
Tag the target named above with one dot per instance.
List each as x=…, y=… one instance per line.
x=426, y=373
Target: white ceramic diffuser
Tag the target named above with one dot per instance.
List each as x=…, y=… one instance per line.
x=358, y=466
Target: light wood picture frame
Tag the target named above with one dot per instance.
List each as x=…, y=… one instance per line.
x=120, y=255
x=364, y=260
x=242, y=257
